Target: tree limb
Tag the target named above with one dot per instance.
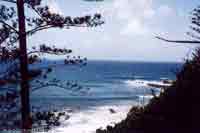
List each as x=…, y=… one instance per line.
x=1, y=21
x=51, y=26
x=10, y=67
x=35, y=10
x=45, y=52
x=177, y=41
x=10, y=1
x=51, y=85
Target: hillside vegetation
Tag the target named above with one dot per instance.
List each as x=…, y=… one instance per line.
x=176, y=110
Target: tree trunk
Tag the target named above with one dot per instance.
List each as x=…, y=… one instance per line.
x=25, y=102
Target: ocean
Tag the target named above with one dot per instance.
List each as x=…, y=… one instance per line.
x=103, y=85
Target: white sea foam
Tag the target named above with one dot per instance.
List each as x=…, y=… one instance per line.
x=87, y=121
x=146, y=97
x=143, y=83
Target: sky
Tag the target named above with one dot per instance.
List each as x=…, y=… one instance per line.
x=129, y=30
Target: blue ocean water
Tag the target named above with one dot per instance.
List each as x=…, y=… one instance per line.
x=104, y=82
x=104, y=85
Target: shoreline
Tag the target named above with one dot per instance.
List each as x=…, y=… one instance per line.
x=87, y=121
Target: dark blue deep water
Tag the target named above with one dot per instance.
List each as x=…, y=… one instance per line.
x=103, y=82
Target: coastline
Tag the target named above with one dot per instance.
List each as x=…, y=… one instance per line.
x=87, y=121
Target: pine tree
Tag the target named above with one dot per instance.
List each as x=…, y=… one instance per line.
x=195, y=29
x=15, y=27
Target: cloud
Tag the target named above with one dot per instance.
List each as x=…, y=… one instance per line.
x=165, y=10
x=130, y=14
x=126, y=9
x=134, y=27
x=54, y=7
x=137, y=17
x=133, y=22
x=128, y=32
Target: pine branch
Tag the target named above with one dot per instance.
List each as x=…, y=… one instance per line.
x=49, y=85
x=178, y=41
x=10, y=1
x=51, y=26
x=10, y=68
x=36, y=11
x=1, y=21
x=45, y=52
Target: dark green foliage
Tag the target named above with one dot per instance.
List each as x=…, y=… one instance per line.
x=188, y=90
x=47, y=119
x=195, y=23
x=177, y=110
